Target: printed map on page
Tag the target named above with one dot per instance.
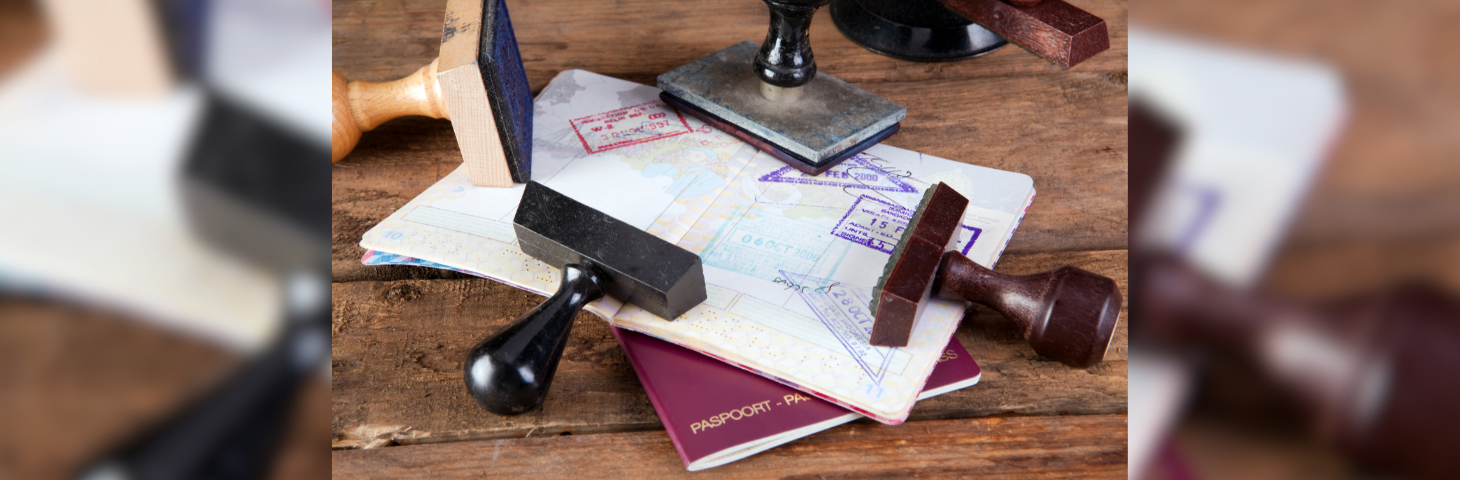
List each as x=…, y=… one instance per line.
x=790, y=260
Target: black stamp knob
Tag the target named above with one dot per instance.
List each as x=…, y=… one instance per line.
x=785, y=60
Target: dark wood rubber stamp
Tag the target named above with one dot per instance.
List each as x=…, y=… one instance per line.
x=902, y=292
x=943, y=30
x=510, y=371
x=1067, y=314
x=1375, y=374
x=1053, y=29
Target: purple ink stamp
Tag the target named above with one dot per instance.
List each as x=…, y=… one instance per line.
x=857, y=172
x=878, y=224
x=972, y=237
x=874, y=223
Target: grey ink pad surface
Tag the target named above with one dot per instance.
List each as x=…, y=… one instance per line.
x=831, y=118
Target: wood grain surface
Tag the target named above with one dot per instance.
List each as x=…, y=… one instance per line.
x=398, y=348
x=1072, y=446
x=400, y=409
x=76, y=381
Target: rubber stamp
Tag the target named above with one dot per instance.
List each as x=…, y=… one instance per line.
x=1067, y=314
x=943, y=30
x=477, y=82
x=771, y=96
x=1374, y=374
x=509, y=372
x=251, y=189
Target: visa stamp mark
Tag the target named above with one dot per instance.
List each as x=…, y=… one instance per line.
x=878, y=225
x=843, y=310
x=856, y=172
x=873, y=223
x=645, y=122
x=973, y=234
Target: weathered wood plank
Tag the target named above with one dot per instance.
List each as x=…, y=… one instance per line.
x=1067, y=131
x=639, y=39
x=76, y=381
x=398, y=348
x=1076, y=446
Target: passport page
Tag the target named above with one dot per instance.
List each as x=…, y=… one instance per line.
x=790, y=260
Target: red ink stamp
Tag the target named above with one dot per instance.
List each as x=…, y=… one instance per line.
x=645, y=122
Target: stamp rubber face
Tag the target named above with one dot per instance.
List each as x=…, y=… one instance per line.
x=831, y=116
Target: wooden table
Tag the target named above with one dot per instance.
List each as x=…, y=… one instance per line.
x=400, y=333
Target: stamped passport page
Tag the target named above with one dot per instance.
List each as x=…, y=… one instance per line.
x=790, y=260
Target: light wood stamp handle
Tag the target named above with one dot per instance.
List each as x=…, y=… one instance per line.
x=361, y=106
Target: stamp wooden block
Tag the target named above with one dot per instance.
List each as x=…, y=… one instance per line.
x=478, y=83
x=902, y=292
x=1053, y=29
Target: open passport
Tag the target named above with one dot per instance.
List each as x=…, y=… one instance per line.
x=789, y=260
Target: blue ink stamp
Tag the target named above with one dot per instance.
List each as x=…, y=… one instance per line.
x=844, y=312
x=766, y=245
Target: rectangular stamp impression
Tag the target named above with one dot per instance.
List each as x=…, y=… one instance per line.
x=873, y=223
x=645, y=122
x=843, y=310
x=878, y=224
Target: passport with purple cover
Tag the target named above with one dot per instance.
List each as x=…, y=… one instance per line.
x=716, y=413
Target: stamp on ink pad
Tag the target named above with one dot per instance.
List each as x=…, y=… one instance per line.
x=645, y=122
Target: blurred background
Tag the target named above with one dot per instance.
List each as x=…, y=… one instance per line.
x=1295, y=216
x=164, y=232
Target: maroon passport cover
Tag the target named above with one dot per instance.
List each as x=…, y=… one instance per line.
x=716, y=413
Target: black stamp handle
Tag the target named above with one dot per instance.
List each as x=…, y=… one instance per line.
x=509, y=373
x=785, y=58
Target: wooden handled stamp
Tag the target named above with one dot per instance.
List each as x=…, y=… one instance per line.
x=1053, y=29
x=945, y=30
x=510, y=371
x=478, y=83
x=771, y=96
x=1067, y=314
x=1375, y=374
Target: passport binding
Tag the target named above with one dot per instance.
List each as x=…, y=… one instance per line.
x=716, y=413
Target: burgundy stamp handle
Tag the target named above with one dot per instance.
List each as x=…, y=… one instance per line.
x=1067, y=314
x=1061, y=33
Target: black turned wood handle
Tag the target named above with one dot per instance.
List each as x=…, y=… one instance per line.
x=509, y=373
x=785, y=58
x=232, y=432
x=1067, y=314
